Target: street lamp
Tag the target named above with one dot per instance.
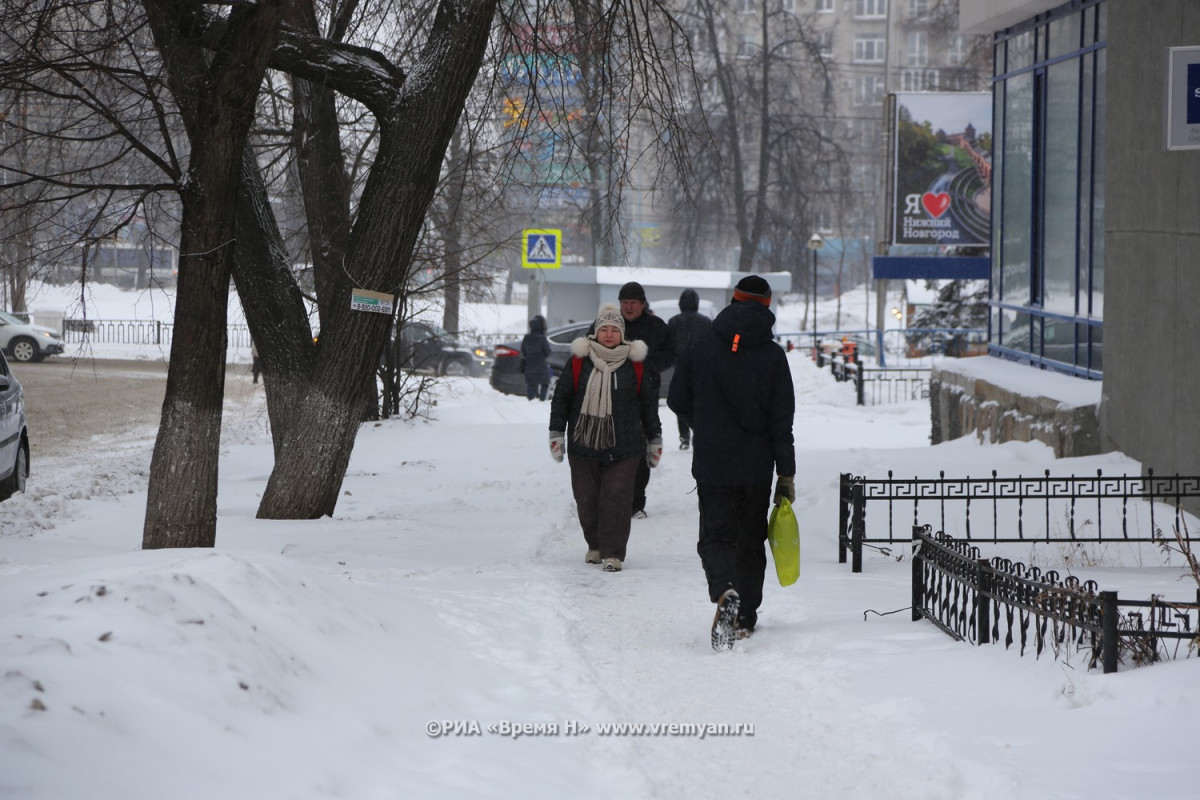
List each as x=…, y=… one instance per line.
x=815, y=243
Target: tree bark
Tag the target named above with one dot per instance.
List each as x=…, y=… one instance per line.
x=415, y=130
x=216, y=95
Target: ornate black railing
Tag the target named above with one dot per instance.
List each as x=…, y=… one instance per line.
x=1020, y=509
x=985, y=601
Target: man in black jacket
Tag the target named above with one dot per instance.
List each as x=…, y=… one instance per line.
x=734, y=388
x=644, y=326
x=684, y=327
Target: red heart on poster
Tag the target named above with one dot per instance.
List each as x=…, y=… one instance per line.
x=935, y=204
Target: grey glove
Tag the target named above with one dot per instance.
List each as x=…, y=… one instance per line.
x=653, y=452
x=785, y=486
x=558, y=445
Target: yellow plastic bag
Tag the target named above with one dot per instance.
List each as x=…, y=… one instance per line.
x=783, y=534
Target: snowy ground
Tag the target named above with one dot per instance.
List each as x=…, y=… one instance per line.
x=448, y=596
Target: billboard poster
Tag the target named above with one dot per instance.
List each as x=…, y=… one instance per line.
x=943, y=169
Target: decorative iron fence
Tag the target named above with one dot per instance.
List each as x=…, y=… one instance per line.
x=135, y=332
x=983, y=601
x=1045, y=509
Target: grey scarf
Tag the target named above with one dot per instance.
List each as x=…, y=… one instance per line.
x=595, y=429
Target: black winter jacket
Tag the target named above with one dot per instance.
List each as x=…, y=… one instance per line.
x=738, y=399
x=635, y=413
x=685, y=325
x=535, y=349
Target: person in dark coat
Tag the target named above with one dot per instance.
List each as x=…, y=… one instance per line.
x=734, y=388
x=683, y=327
x=642, y=325
x=609, y=415
x=535, y=349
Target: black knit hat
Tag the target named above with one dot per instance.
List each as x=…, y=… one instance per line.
x=752, y=287
x=632, y=291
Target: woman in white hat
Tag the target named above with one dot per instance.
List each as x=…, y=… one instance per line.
x=606, y=406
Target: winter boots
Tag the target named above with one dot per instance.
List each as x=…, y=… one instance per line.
x=724, y=627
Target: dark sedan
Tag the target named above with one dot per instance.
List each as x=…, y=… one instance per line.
x=507, y=376
x=423, y=346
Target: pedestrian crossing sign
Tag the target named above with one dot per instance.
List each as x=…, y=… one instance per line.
x=541, y=248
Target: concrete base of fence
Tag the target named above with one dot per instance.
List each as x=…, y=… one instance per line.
x=963, y=401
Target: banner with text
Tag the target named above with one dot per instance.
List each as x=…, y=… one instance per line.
x=943, y=169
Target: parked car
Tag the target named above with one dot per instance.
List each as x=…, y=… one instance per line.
x=23, y=341
x=422, y=346
x=14, y=434
x=507, y=376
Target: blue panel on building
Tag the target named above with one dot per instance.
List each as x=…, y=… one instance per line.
x=963, y=268
x=1193, y=94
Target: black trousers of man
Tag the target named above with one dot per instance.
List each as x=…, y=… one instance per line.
x=733, y=543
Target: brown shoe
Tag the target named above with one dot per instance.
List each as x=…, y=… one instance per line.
x=592, y=557
x=612, y=565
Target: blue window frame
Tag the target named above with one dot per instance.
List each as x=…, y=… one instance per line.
x=1048, y=204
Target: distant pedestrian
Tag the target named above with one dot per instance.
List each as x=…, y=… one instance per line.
x=255, y=363
x=642, y=325
x=605, y=405
x=734, y=388
x=683, y=328
x=535, y=349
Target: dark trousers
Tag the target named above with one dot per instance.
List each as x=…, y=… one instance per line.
x=603, y=491
x=534, y=389
x=641, y=480
x=685, y=433
x=733, y=543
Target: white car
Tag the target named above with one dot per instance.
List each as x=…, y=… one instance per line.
x=23, y=341
x=14, y=434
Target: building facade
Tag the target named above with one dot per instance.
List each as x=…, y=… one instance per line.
x=1096, y=223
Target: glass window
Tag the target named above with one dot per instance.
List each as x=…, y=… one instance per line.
x=918, y=49
x=825, y=6
x=1096, y=294
x=1048, y=189
x=1020, y=52
x=868, y=90
x=1017, y=190
x=1064, y=35
x=870, y=8
x=868, y=48
x=1060, y=187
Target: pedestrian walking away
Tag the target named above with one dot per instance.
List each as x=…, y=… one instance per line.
x=535, y=349
x=255, y=363
x=734, y=389
x=604, y=419
x=641, y=324
x=683, y=327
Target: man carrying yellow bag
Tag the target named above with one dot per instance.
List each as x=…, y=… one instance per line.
x=733, y=387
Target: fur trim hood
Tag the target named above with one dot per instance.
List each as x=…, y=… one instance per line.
x=637, y=349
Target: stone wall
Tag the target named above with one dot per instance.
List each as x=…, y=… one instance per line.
x=961, y=404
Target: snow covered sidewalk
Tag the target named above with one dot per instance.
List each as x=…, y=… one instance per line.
x=442, y=637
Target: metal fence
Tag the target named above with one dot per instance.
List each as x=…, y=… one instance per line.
x=984, y=601
x=895, y=347
x=135, y=332
x=1021, y=509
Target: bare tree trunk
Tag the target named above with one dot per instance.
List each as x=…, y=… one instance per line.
x=216, y=96
x=415, y=131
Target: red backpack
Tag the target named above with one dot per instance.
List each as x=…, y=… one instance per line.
x=577, y=364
